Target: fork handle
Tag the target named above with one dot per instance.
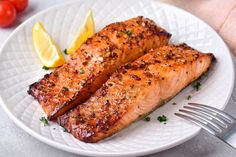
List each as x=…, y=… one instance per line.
x=230, y=138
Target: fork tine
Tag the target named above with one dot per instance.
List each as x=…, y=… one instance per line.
x=216, y=127
x=204, y=126
x=223, y=114
x=218, y=120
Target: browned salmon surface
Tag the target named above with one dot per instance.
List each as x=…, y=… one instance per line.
x=135, y=90
x=94, y=62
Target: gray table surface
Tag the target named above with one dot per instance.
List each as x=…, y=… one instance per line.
x=14, y=142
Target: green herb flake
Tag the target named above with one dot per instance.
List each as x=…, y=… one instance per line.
x=162, y=118
x=65, y=88
x=189, y=97
x=81, y=71
x=129, y=33
x=45, y=68
x=174, y=103
x=204, y=74
x=197, y=86
x=65, y=130
x=44, y=121
x=147, y=119
x=65, y=51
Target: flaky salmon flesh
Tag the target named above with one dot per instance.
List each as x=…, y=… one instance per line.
x=94, y=62
x=135, y=90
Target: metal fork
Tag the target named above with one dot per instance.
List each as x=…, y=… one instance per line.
x=215, y=121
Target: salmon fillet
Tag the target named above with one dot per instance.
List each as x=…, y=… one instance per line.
x=135, y=90
x=94, y=62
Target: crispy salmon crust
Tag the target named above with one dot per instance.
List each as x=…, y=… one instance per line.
x=135, y=90
x=94, y=62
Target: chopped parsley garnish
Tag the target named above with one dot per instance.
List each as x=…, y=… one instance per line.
x=65, y=88
x=65, y=51
x=128, y=32
x=204, y=74
x=45, y=68
x=162, y=118
x=189, y=97
x=197, y=86
x=174, y=103
x=65, y=130
x=147, y=119
x=81, y=71
x=44, y=121
x=110, y=84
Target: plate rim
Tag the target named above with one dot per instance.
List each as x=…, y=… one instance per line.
x=92, y=153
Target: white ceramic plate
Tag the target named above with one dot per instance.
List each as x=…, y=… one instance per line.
x=19, y=67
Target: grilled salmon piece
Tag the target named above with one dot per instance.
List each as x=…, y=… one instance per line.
x=94, y=62
x=136, y=36
x=135, y=90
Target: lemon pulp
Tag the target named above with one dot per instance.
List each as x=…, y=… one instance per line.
x=86, y=31
x=47, y=51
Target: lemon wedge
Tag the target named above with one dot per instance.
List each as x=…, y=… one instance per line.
x=86, y=31
x=45, y=47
